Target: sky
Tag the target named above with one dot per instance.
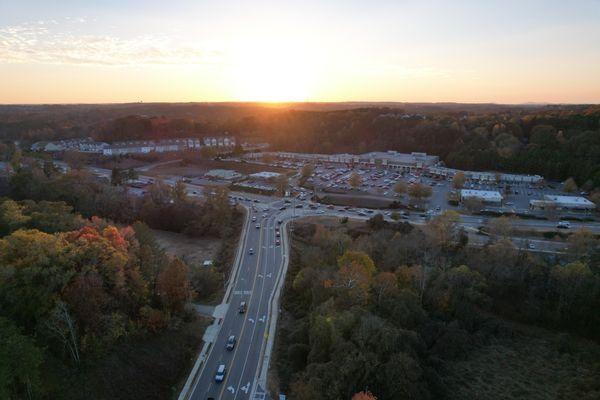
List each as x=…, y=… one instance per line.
x=109, y=51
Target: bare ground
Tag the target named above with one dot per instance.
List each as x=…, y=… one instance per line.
x=189, y=249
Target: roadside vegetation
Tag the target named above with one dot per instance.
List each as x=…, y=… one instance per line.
x=404, y=312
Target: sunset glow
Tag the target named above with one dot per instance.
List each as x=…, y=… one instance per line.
x=465, y=51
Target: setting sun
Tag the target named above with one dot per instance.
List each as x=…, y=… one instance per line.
x=272, y=74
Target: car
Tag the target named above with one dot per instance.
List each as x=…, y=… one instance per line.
x=257, y=226
x=242, y=307
x=282, y=208
x=230, y=343
x=277, y=234
x=277, y=242
x=253, y=218
x=220, y=375
x=531, y=246
x=264, y=216
x=279, y=221
x=563, y=225
x=251, y=251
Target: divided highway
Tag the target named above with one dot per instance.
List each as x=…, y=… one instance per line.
x=254, y=282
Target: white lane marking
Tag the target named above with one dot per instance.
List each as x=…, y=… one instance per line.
x=245, y=388
x=231, y=389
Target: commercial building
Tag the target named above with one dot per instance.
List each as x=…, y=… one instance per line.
x=388, y=159
x=576, y=203
x=265, y=176
x=485, y=177
x=224, y=174
x=486, y=196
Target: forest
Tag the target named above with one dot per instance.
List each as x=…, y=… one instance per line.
x=90, y=305
x=555, y=141
x=416, y=313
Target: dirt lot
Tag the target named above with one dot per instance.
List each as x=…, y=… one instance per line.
x=189, y=249
x=199, y=167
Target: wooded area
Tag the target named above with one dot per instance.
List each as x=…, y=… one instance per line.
x=406, y=312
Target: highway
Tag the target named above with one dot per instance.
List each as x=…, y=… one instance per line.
x=254, y=281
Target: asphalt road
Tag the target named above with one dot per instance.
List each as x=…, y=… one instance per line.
x=254, y=284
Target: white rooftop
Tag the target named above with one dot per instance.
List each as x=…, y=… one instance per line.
x=490, y=195
x=265, y=175
x=573, y=200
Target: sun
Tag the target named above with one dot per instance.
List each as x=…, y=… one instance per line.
x=272, y=75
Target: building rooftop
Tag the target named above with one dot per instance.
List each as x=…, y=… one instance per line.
x=575, y=200
x=482, y=194
x=265, y=175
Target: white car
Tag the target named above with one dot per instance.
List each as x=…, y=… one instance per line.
x=220, y=375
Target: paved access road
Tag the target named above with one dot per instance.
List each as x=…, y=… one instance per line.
x=254, y=283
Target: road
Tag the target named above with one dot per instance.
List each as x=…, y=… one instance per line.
x=254, y=283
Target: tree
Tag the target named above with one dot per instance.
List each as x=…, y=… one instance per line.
x=62, y=324
x=20, y=360
x=419, y=192
x=570, y=186
x=500, y=227
x=307, y=171
x=459, y=180
x=116, y=177
x=16, y=159
x=395, y=216
x=472, y=204
x=400, y=188
x=74, y=159
x=384, y=284
x=581, y=242
x=173, y=286
x=281, y=184
x=11, y=217
x=355, y=180
x=364, y=395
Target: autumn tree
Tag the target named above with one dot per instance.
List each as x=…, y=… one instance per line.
x=307, y=171
x=364, y=395
x=400, y=187
x=500, y=227
x=281, y=184
x=419, y=193
x=355, y=180
x=173, y=286
x=570, y=186
x=459, y=179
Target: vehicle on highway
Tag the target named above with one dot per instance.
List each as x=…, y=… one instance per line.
x=277, y=234
x=251, y=251
x=277, y=242
x=257, y=226
x=230, y=343
x=531, y=246
x=253, y=218
x=279, y=221
x=220, y=375
x=563, y=225
x=242, y=307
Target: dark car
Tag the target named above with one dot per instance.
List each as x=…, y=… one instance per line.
x=242, y=307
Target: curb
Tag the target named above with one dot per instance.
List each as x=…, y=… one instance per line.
x=187, y=389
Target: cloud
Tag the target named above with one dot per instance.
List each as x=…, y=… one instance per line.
x=42, y=43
